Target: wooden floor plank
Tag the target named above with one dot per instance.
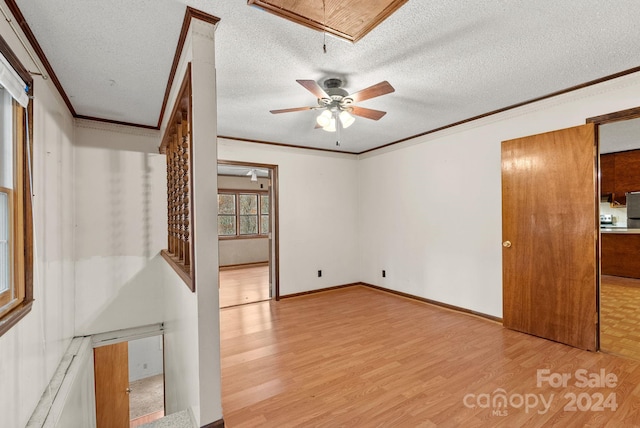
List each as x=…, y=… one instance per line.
x=358, y=357
x=241, y=285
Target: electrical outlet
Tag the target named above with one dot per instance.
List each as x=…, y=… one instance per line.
x=384, y=273
x=319, y=273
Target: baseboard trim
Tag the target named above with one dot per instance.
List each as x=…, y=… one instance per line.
x=319, y=290
x=434, y=302
x=217, y=424
x=401, y=294
x=244, y=265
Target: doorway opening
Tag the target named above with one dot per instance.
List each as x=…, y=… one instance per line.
x=146, y=380
x=247, y=232
x=129, y=378
x=619, y=171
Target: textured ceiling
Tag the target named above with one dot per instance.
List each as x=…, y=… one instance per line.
x=448, y=61
x=619, y=136
x=241, y=171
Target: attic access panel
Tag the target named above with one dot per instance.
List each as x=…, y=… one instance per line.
x=347, y=19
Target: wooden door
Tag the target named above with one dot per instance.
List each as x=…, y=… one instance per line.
x=549, y=229
x=111, y=367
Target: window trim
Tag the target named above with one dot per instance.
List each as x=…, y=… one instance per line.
x=237, y=193
x=22, y=227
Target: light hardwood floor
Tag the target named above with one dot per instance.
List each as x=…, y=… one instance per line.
x=620, y=316
x=358, y=357
x=240, y=285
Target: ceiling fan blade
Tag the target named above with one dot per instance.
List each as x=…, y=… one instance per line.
x=376, y=90
x=289, y=110
x=367, y=112
x=313, y=87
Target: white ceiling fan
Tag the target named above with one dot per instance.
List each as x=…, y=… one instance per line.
x=337, y=105
x=253, y=172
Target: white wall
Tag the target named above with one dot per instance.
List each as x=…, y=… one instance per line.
x=180, y=305
x=318, y=212
x=31, y=350
x=145, y=357
x=430, y=208
x=204, y=132
x=182, y=367
x=192, y=330
x=120, y=187
x=242, y=251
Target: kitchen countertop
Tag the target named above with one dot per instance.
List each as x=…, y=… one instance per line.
x=615, y=229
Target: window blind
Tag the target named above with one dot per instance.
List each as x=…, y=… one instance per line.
x=11, y=81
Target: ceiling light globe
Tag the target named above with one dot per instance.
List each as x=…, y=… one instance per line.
x=331, y=126
x=324, y=118
x=346, y=119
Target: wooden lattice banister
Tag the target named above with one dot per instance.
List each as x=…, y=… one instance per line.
x=176, y=145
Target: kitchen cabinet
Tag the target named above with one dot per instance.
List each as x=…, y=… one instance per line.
x=619, y=174
x=607, y=174
x=627, y=174
x=619, y=254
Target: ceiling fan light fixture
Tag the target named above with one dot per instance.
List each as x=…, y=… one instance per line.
x=331, y=126
x=346, y=119
x=254, y=175
x=338, y=106
x=324, y=119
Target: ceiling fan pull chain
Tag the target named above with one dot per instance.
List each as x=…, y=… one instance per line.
x=338, y=128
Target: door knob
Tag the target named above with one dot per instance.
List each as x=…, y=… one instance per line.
x=506, y=244
x=128, y=390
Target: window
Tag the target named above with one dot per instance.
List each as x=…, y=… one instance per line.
x=15, y=213
x=264, y=214
x=243, y=214
x=227, y=215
